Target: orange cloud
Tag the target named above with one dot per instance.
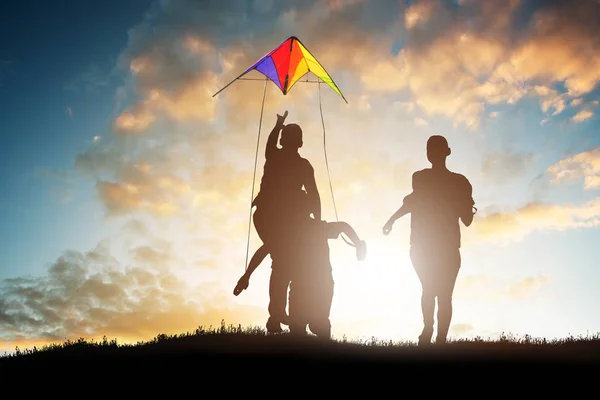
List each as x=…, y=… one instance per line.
x=418, y=12
x=453, y=73
x=562, y=48
x=583, y=115
x=460, y=329
x=92, y=294
x=528, y=287
x=504, y=228
x=456, y=72
x=140, y=188
x=134, y=121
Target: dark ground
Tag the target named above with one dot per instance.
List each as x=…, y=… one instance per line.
x=254, y=352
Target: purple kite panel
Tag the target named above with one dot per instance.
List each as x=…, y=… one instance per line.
x=267, y=67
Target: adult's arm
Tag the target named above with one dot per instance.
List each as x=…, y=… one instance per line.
x=314, y=198
x=466, y=211
x=406, y=208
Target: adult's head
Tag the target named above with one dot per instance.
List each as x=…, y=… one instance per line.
x=291, y=137
x=437, y=150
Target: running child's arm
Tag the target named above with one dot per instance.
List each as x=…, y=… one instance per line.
x=255, y=261
x=274, y=136
x=334, y=229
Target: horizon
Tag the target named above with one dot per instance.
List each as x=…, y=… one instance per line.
x=127, y=185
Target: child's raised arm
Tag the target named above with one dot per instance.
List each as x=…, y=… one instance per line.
x=274, y=136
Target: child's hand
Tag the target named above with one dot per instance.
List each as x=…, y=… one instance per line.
x=281, y=118
x=387, y=228
x=361, y=250
x=241, y=285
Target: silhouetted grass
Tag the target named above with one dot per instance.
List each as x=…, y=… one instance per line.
x=235, y=343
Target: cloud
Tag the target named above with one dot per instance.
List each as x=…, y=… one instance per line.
x=505, y=227
x=417, y=13
x=134, y=121
x=563, y=47
x=460, y=329
x=421, y=122
x=583, y=115
x=453, y=64
x=457, y=61
x=583, y=166
x=473, y=287
x=528, y=287
x=502, y=166
x=69, y=112
x=91, y=294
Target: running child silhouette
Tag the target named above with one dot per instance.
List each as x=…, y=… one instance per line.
x=310, y=270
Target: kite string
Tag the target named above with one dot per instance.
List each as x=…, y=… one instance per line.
x=262, y=107
x=327, y=164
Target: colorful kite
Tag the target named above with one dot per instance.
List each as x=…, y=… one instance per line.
x=286, y=64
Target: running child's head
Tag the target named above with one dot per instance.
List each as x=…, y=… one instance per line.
x=291, y=137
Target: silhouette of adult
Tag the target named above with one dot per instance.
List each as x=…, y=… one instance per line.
x=287, y=186
x=438, y=200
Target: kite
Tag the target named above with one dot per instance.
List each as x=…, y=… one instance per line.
x=285, y=66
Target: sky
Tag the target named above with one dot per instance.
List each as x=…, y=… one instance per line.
x=126, y=185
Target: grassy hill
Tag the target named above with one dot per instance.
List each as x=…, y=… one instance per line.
x=244, y=347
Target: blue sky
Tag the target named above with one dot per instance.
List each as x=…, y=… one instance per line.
x=57, y=56
x=113, y=148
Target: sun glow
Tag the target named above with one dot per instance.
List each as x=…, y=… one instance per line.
x=379, y=296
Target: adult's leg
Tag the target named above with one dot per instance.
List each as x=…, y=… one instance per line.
x=422, y=263
x=449, y=267
x=268, y=229
x=297, y=318
x=278, y=289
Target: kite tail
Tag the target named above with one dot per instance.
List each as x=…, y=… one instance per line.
x=262, y=107
x=327, y=165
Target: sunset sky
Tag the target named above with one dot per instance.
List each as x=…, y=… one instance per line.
x=126, y=186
